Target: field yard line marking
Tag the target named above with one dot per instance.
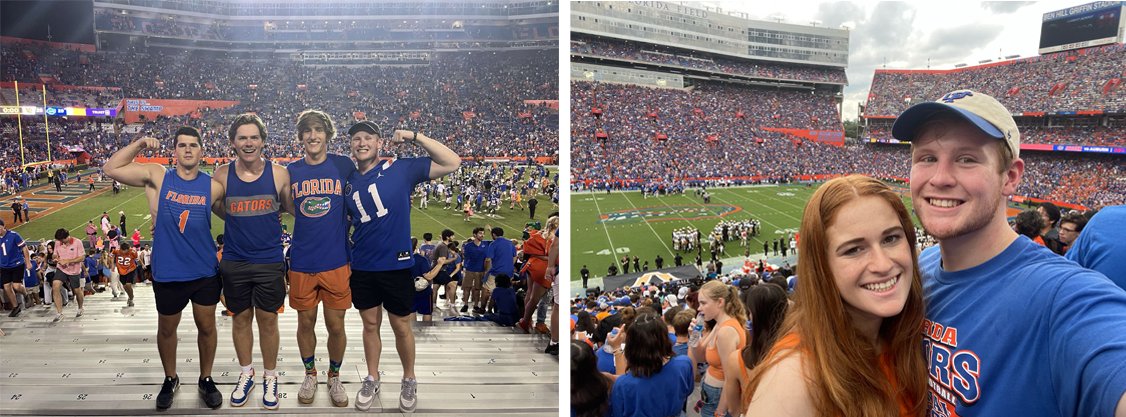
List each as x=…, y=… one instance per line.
x=613, y=250
x=772, y=208
x=83, y=225
x=663, y=243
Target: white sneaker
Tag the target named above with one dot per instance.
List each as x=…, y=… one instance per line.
x=270, y=396
x=58, y=317
x=408, y=395
x=79, y=313
x=368, y=391
x=242, y=389
x=336, y=391
x=308, y=389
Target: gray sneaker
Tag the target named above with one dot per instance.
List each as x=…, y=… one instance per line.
x=336, y=392
x=368, y=391
x=308, y=389
x=407, y=397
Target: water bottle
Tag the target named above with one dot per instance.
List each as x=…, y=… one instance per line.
x=614, y=333
x=696, y=331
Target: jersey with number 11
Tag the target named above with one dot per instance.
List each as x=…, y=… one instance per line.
x=183, y=249
x=379, y=204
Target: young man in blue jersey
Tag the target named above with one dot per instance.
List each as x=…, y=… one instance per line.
x=500, y=258
x=1011, y=328
x=185, y=268
x=319, y=252
x=378, y=197
x=255, y=192
x=474, y=262
x=14, y=259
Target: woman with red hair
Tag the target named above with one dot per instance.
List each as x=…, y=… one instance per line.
x=851, y=344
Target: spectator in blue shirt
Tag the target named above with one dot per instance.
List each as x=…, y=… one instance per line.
x=651, y=381
x=474, y=255
x=500, y=258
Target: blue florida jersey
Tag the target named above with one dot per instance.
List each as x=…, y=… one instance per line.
x=182, y=248
x=321, y=219
x=379, y=203
x=11, y=250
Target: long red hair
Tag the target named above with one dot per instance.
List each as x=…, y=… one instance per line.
x=842, y=366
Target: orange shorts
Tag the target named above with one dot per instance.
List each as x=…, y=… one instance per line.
x=307, y=290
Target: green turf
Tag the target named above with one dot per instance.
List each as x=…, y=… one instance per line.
x=132, y=201
x=603, y=243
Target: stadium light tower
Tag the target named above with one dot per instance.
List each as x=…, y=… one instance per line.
x=814, y=23
x=848, y=25
x=778, y=17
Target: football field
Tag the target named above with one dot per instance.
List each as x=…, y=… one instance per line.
x=616, y=224
x=75, y=205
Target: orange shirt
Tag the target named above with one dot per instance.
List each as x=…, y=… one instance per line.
x=126, y=261
x=715, y=365
x=791, y=340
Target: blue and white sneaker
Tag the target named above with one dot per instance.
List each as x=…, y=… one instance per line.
x=270, y=396
x=242, y=389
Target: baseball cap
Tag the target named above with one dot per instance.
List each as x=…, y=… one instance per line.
x=365, y=126
x=682, y=293
x=746, y=283
x=981, y=110
x=1, y=222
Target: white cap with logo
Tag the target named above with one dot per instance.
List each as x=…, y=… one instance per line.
x=983, y=111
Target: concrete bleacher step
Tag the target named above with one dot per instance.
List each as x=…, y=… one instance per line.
x=106, y=363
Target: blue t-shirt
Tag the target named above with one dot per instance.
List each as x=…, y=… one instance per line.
x=659, y=395
x=379, y=203
x=605, y=361
x=11, y=250
x=30, y=277
x=321, y=219
x=91, y=265
x=501, y=251
x=475, y=255
x=1025, y=333
x=1100, y=240
x=680, y=350
x=427, y=250
x=421, y=267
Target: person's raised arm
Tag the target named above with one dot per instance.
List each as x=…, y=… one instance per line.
x=443, y=160
x=121, y=167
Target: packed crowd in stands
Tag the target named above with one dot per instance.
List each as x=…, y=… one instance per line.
x=687, y=157
x=167, y=25
x=1067, y=81
x=692, y=59
x=473, y=103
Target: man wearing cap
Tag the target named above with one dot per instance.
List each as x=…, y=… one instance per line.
x=378, y=199
x=1011, y=328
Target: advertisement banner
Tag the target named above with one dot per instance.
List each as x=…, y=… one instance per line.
x=134, y=108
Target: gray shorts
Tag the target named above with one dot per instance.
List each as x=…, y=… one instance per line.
x=75, y=281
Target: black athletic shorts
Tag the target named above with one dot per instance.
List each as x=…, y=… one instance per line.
x=442, y=278
x=172, y=297
x=130, y=278
x=247, y=284
x=13, y=274
x=394, y=290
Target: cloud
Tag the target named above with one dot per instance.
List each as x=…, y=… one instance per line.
x=1005, y=7
x=957, y=43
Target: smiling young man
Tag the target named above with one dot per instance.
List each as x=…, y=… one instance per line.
x=255, y=191
x=1011, y=329
x=378, y=198
x=319, y=254
x=185, y=268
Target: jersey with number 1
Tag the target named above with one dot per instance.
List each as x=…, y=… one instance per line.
x=182, y=248
x=379, y=204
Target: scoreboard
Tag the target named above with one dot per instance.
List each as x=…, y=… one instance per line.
x=1083, y=26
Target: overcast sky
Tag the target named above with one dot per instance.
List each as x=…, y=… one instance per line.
x=909, y=33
